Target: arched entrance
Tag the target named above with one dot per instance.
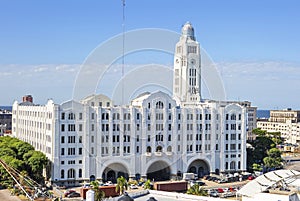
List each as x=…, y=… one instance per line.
x=199, y=167
x=114, y=171
x=159, y=171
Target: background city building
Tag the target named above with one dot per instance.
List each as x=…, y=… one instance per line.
x=287, y=122
x=5, y=121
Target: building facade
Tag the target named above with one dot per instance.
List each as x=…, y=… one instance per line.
x=5, y=121
x=156, y=136
x=287, y=122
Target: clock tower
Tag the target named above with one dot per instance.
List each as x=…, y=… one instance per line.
x=187, y=67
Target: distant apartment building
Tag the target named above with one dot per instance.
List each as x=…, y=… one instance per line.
x=155, y=136
x=5, y=121
x=287, y=122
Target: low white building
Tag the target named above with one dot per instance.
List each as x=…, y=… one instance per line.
x=287, y=122
x=155, y=136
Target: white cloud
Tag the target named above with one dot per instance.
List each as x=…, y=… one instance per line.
x=39, y=69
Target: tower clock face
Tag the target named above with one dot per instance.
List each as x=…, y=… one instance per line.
x=193, y=61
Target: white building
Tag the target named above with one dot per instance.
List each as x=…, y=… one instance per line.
x=155, y=136
x=287, y=122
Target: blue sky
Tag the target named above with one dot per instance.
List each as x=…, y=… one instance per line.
x=255, y=44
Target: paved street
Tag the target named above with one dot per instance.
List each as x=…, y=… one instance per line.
x=5, y=195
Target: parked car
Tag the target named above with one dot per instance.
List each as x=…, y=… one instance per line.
x=250, y=177
x=73, y=195
x=133, y=186
x=68, y=192
x=108, y=183
x=86, y=185
x=212, y=193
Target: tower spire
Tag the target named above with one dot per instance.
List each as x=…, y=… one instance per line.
x=187, y=67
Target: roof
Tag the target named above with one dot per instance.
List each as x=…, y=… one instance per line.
x=265, y=181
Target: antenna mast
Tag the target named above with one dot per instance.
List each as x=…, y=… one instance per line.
x=123, y=49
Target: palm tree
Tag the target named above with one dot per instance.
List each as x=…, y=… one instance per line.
x=147, y=184
x=99, y=194
x=122, y=185
x=196, y=190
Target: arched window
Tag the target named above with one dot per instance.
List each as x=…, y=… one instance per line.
x=148, y=149
x=71, y=173
x=80, y=173
x=158, y=149
x=159, y=105
x=169, y=149
x=62, y=174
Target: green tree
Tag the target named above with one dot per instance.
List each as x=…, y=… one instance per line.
x=273, y=160
x=99, y=194
x=196, y=190
x=37, y=162
x=147, y=184
x=258, y=132
x=256, y=167
x=22, y=148
x=21, y=156
x=122, y=185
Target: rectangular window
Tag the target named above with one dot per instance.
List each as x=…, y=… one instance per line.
x=63, y=127
x=80, y=151
x=138, y=127
x=62, y=115
x=149, y=127
x=137, y=149
x=92, y=138
x=80, y=116
x=80, y=127
x=62, y=151
x=128, y=127
x=62, y=139
x=93, y=116
x=93, y=127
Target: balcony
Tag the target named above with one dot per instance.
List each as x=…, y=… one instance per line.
x=148, y=153
x=158, y=153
